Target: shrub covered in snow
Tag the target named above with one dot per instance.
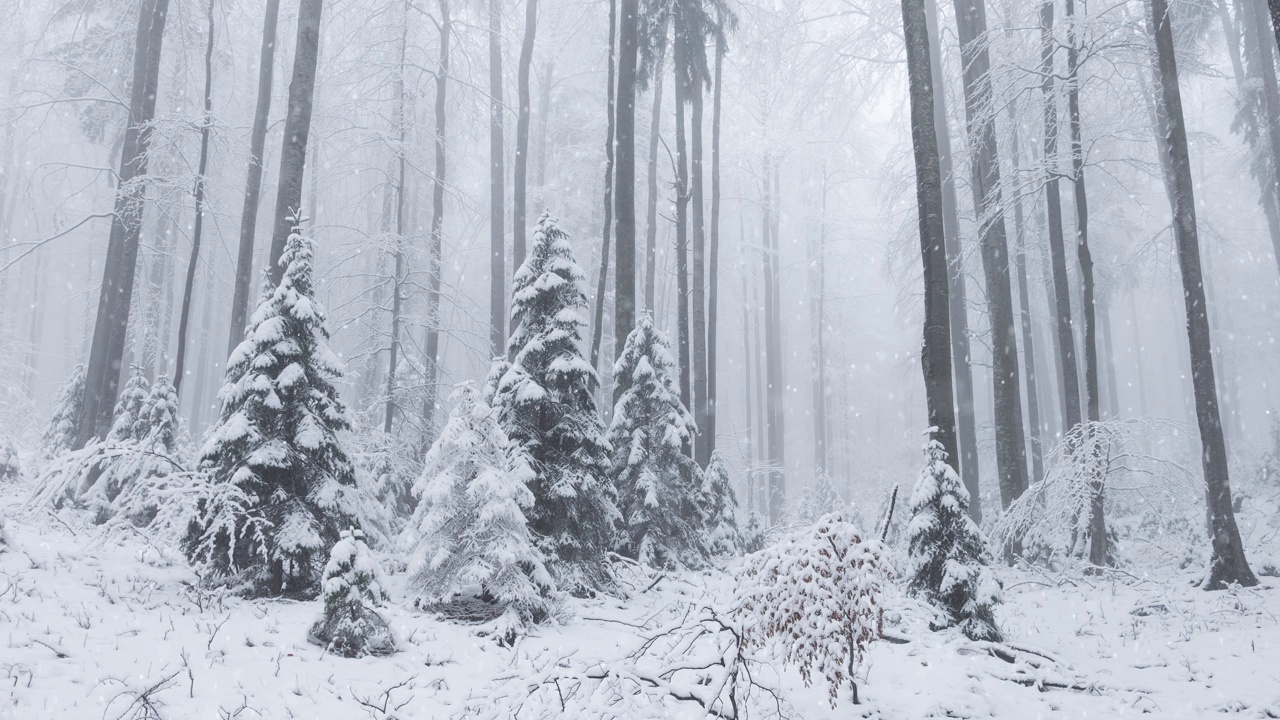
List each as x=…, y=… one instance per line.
x=658, y=485
x=546, y=403
x=386, y=467
x=353, y=588
x=10, y=464
x=60, y=435
x=130, y=421
x=472, y=535
x=949, y=565
x=720, y=509
x=277, y=442
x=818, y=598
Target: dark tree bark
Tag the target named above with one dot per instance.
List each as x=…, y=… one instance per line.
x=713, y=279
x=253, y=185
x=651, y=210
x=935, y=355
x=401, y=120
x=497, y=251
x=1024, y=313
x=1227, y=564
x=197, y=232
x=958, y=303
x=1274, y=6
x=624, y=301
x=1011, y=460
x=1057, y=244
x=520, y=169
x=435, y=258
x=602, y=280
x=106, y=352
x=297, y=129
x=679, y=62
x=1261, y=67
x=689, y=32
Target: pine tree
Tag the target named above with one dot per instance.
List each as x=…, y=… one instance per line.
x=546, y=402
x=948, y=561
x=152, y=472
x=130, y=421
x=60, y=435
x=471, y=526
x=720, y=509
x=658, y=485
x=282, y=485
x=353, y=587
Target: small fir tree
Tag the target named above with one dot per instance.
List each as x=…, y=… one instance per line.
x=130, y=421
x=353, y=588
x=282, y=483
x=60, y=435
x=948, y=562
x=152, y=473
x=10, y=464
x=720, y=509
x=473, y=538
x=658, y=485
x=547, y=404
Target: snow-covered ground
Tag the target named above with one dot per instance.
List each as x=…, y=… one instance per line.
x=94, y=627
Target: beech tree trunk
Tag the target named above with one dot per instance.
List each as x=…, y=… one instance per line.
x=1261, y=66
x=624, y=301
x=253, y=184
x=935, y=355
x=602, y=280
x=185, y=315
x=774, y=422
x=544, y=121
x=747, y=392
x=651, y=210
x=497, y=252
x=297, y=129
x=520, y=169
x=967, y=424
x=713, y=279
x=401, y=120
x=435, y=260
x=1024, y=313
x=688, y=31
x=679, y=62
x=1227, y=564
x=1011, y=460
x=106, y=352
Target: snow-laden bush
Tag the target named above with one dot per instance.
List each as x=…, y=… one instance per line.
x=659, y=486
x=472, y=538
x=817, y=597
x=948, y=562
x=60, y=434
x=353, y=589
x=720, y=509
x=278, y=441
x=10, y=463
x=386, y=468
x=130, y=421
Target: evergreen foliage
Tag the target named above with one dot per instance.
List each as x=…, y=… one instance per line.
x=129, y=421
x=473, y=538
x=10, y=463
x=60, y=435
x=949, y=565
x=282, y=485
x=546, y=403
x=720, y=509
x=353, y=588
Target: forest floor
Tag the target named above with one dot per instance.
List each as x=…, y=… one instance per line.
x=102, y=627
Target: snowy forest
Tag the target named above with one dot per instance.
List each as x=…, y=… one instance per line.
x=612, y=359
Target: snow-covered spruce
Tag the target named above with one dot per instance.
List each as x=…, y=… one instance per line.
x=948, y=561
x=720, y=509
x=129, y=421
x=353, y=588
x=154, y=472
x=546, y=403
x=473, y=540
x=658, y=485
x=60, y=435
x=10, y=463
x=387, y=468
x=818, y=498
x=818, y=598
x=282, y=486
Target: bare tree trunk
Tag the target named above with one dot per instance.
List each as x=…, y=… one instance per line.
x=935, y=355
x=1227, y=564
x=1011, y=460
x=297, y=129
x=817, y=289
x=761, y=391
x=544, y=121
x=107, y=350
x=1261, y=66
x=713, y=290
x=497, y=251
x=967, y=424
x=253, y=185
x=773, y=347
x=401, y=120
x=689, y=31
x=435, y=259
x=520, y=170
x=197, y=232
x=679, y=62
x=651, y=211
x=624, y=301
x=597, y=327
x=1024, y=313
x=746, y=364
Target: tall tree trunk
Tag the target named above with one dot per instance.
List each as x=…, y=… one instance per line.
x=1024, y=311
x=1097, y=523
x=1057, y=244
x=773, y=346
x=1274, y=6
x=544, y=122
x=1227, y=564
x=497, y=252
x=197, y=232
x=297, y=129
x=253, y=185
x=624, y=301
x=761, y=391
x=1011, y=460
x=435, y=260
x=520, y=169
x=602, y=280
x=817, y=289
x=957, y=310
x=679, y=61
x=107, y=350
x=689, y=32
x=401, y=119
x=651, y=210
x=746, y=366
x=713, y=279
x=935, y=355
x=1261, y=66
